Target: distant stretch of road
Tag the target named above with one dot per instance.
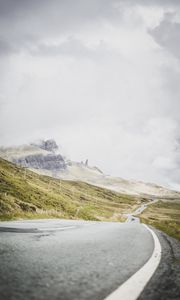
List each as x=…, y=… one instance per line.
x=65, y=259
x=132, y=217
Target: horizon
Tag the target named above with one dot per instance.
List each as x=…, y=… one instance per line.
x=60, y=151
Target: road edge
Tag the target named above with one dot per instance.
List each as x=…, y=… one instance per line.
x=133, y=287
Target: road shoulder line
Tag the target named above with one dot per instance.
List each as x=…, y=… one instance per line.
x=132, y=288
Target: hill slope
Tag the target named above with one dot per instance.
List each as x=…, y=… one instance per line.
x=44, y=158
x=25, y=194
x=164, y=215
x=77, y=171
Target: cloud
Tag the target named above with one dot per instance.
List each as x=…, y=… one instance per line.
x=71, y=46
x=5, y=47
x=167, y=34
x=95, y=76
x=51, y=28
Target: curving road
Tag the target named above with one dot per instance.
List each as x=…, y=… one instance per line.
x=133, y=216
x=54, y=259
x=65, y=259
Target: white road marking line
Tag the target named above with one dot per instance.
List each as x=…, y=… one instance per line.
x=132, y=288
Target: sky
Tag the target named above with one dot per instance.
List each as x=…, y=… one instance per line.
x=102, y=77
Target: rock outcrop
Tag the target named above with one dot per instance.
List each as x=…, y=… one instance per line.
x=51, y=162
x=43, y=155
x=49, y=145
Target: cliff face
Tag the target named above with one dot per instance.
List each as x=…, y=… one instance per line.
x=49, y=162
x=43, y=155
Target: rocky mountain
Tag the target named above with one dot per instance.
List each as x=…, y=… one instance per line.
x=45, y=158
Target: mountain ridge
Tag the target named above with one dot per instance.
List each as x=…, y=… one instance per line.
x=44, y=157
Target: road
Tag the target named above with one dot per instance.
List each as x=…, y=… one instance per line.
x=65, y=259
x=132, y=217
x=54, y=259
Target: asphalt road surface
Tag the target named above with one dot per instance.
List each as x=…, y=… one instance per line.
x=133, y=216
x=65, y=260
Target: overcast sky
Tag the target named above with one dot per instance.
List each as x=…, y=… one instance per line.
x=102, y=77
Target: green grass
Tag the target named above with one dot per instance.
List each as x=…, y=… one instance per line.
x=25, y=194
x=164, y=215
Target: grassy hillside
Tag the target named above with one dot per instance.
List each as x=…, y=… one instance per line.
x=24, y=194
x=164, y=215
